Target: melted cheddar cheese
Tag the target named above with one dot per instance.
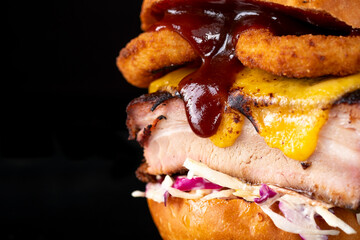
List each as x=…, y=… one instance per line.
x=295, y=109
x=288, y=113
x=229, y=129
x=170, y=82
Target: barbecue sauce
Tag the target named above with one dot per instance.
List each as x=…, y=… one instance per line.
x=212, y=28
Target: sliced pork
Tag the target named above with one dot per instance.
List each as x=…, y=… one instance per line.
x=332, y=174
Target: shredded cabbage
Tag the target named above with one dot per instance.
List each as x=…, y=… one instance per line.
x=205, y=183
x=168, y=182
x=155, y=192
x=265, y=194
x=186, y=184
x=138, y=194
x=334, y=221
x=302, y=216
x=247, y=195
x=282, y=223
x=180, y=194
x=219, y=194
x=214, y=176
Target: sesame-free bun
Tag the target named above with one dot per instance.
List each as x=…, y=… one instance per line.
x=347, y=11
x=226, y=219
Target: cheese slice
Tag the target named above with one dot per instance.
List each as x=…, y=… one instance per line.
x=288, y=113
x=170, y=82
x=229, y=129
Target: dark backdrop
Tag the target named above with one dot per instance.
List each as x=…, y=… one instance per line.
x=66, y=167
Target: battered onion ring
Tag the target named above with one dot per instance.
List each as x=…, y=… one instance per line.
x=299, y=56
x=152, y=54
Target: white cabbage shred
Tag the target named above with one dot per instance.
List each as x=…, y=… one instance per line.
x=219, y=194
x=334, y=221
x=299, y=211
x=219, y=178
x=284, y=224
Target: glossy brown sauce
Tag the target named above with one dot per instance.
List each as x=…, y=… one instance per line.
x=212, y=28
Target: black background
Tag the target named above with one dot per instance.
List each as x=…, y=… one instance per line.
x=66, y=167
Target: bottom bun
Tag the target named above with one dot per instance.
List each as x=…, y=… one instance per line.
x=226, y=219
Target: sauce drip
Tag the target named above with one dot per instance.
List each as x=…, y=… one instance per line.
x=212, y=28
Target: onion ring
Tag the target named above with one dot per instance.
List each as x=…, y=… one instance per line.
x=153, y=54
x=299, y=56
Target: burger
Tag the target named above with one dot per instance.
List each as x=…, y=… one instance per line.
x=251, y=128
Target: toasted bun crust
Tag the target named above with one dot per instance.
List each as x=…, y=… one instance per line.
x=347, y=11
x=226, y=219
